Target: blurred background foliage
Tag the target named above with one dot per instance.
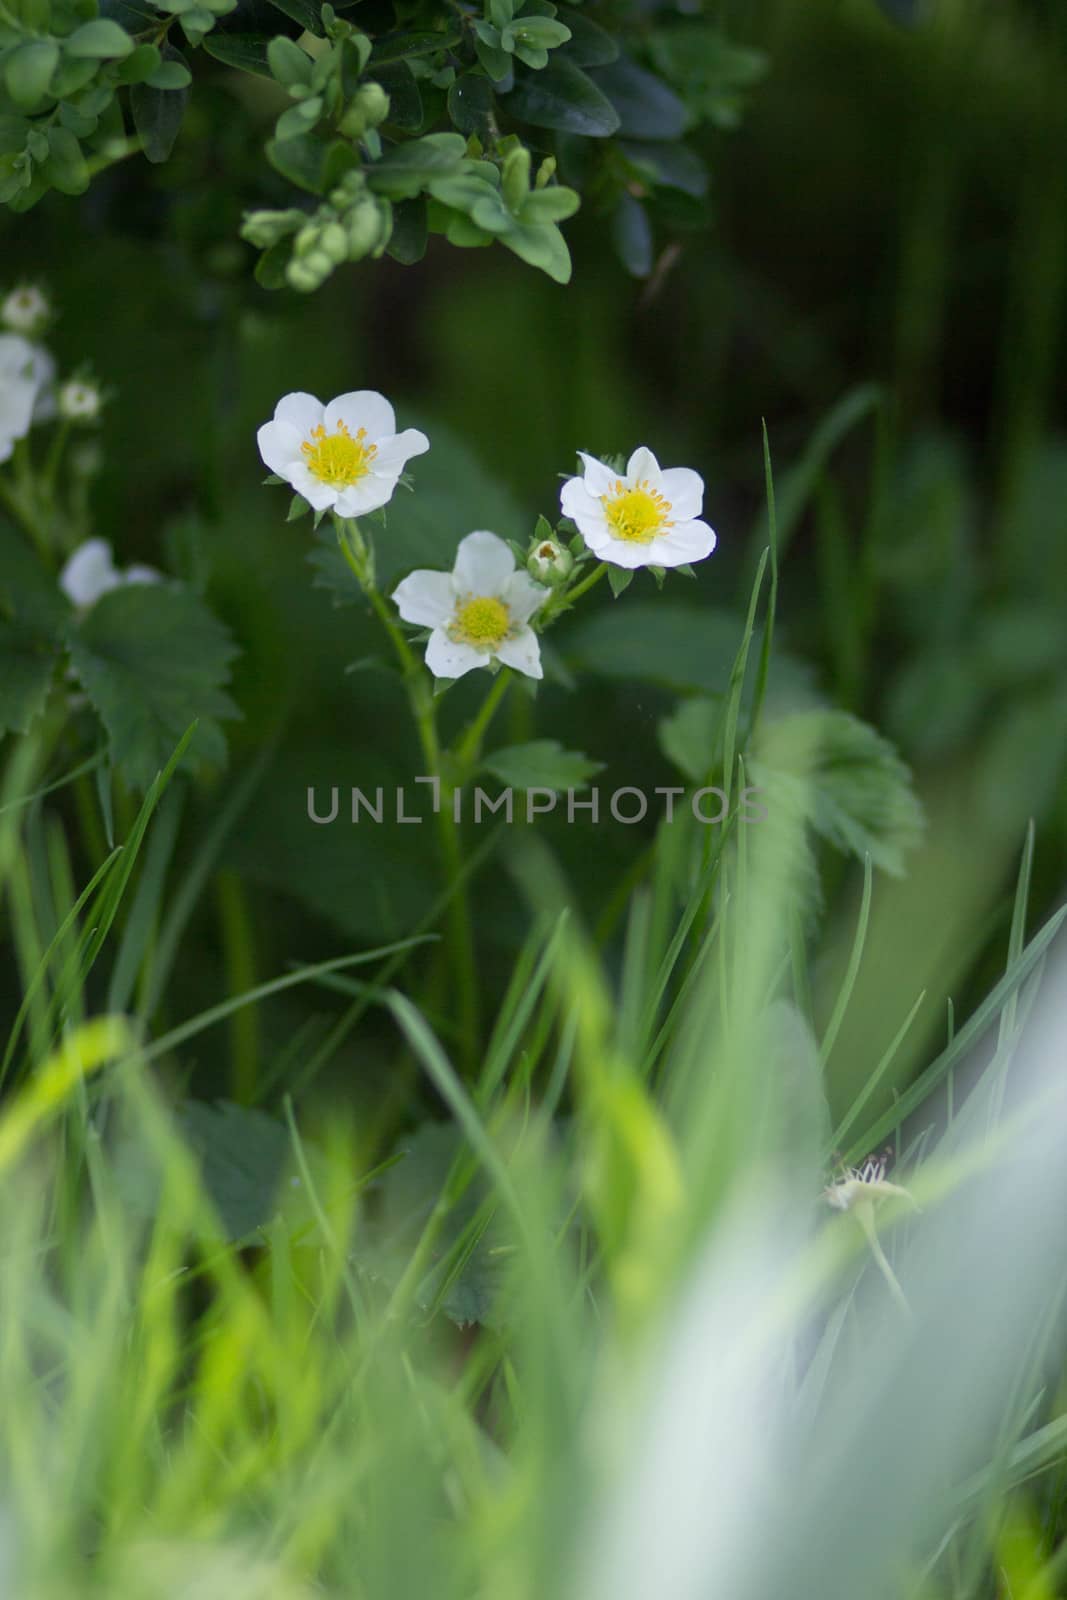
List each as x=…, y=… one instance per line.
x=880, y=276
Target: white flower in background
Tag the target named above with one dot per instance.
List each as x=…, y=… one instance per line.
x=91, y=572
x=647, y=517
x=26, y=373
x=858, y=1192
x=25, y=309
x=78, y=401
x=479, y=612
x=864, y=1184
x=346, y=456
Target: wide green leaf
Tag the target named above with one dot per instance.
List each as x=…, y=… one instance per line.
x=541, y=764
x=645, y=106
x=158, y=112
x=681, y=647
x=563, y=97
x=152, y=659
x=848, y=782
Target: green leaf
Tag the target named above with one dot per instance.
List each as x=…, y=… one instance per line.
x=404, y=171
x=172, y=73
x=305, y=12
x=407, y=242
x=407, y=46
x=467, y=1273
x=539, y=33
x=152, y=658
x=405, y=101
x=139, y=64
x=589, y=44
x=542, y=764
x=288, y=63
x=301, y=160
x=552, y=204
x=710, y=73
x=28, y=71
x=674, y=166
x=470, y=104
x=246, y=1163
x=158, y=112
x=691, y=737
x=27, y=662
x=541, y=245
x=563, y=97
x=66, y=168
x=631, y=232
x=681, y=647
x=846, y=780
x=100, y=39
x=245, y=51
x=645, y=106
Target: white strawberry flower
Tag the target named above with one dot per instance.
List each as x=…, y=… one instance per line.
x=346, y=456
x=648, y=516
x=478, y=613
x=26, y=397
x=863, y=1186
x=91, y=572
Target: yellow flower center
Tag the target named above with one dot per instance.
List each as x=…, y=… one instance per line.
x=337, y=458
x=637, y=515
x=482, y=622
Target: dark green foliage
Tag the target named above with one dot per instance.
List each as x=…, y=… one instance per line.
x=525, y=76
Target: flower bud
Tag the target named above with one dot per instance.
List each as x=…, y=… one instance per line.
x=264, y=228
x=333, y=242
x=25, y=310
x=549, y=562
x=78, y=401
x=369, y=108
x=364, y=226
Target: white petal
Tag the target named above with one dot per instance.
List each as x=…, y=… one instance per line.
x=684, y=488
x=394, y=453
x=89, y=573
x=596, y=533
x=136, y=574
x=301, y=411
x=17, y=398
x=598, y=477
x=522, y=652
x=448, y=659
x=643, y=467
x=279, y=446
x=362, y=408
x=522, y=596
x=320, y=496
x=687, y=541
x=17, y=356
x=627, y=553
x=576, y=500
x=484, y=563
x=366, y=495
x=425, y=597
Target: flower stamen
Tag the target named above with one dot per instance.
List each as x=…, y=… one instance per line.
x=637, y=514
x=483, y=622
x=337, y=458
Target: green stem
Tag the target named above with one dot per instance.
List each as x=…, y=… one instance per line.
x=564, y=597
x=420, y=698
x=470, y=746
x=24, y=513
